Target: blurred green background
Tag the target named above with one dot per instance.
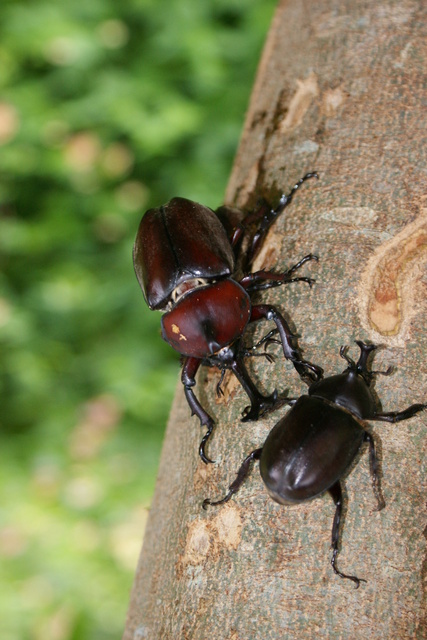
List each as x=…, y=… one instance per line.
x=106, y=108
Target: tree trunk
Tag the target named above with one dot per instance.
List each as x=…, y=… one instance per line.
x=339, y=90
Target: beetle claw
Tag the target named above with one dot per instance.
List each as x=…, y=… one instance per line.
x=308, y=372
x=339, y=573
x=258, y=409
x=215, y=503
x=204, y=457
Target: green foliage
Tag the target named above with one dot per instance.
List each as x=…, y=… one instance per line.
x=106, y=109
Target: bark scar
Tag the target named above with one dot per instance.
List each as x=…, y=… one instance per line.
x=387, y=288
x=206, y=538
x=307, y=90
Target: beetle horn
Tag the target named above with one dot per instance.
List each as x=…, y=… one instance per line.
x=365, y=350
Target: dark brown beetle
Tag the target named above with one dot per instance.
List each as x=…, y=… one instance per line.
x=185, y=265
x=313, y=446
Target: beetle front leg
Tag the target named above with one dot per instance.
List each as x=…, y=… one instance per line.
x=397, y=416
x=242, y=474
x=266, y=216
x=336, y=493
x=308, y=372
x=189, y=369
x=261, y=280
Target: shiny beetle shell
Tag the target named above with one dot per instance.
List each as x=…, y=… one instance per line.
x=349, y=390
x=179, y=241
x=308, y=450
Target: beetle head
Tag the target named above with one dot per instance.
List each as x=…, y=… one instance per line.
x=351, y=389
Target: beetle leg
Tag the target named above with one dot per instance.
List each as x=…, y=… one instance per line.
x=259, y=402
x=219, y=391
x=336, y=493
x=266, y=340
x=374, y=471
x=251, y=353
x=237, y=236
x=242, y=474
x=398, y=416
x=267, y=217
x=189, y=369
x=231, y=219
x=345, y=356
x=308, y=372
x=261, y=280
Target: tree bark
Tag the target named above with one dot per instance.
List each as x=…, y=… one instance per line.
x=339, y=90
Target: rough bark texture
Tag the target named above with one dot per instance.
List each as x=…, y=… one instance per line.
x=339, y=90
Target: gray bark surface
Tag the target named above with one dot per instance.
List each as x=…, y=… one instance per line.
x=340, y=89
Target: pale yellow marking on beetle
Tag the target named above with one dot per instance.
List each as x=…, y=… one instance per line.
x=176, y=329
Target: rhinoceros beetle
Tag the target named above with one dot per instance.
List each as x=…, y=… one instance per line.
x=186, y=266
x=310, y=450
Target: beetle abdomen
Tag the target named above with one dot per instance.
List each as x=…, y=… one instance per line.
x=308, y=450
x=179, y=241
x=207, y=319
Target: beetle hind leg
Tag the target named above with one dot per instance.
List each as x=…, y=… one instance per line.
x=375, y=472
x=336, y=493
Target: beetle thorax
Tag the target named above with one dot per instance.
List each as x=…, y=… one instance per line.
x=348, y=390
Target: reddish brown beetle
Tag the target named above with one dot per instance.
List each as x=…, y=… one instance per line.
x=185, y=264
